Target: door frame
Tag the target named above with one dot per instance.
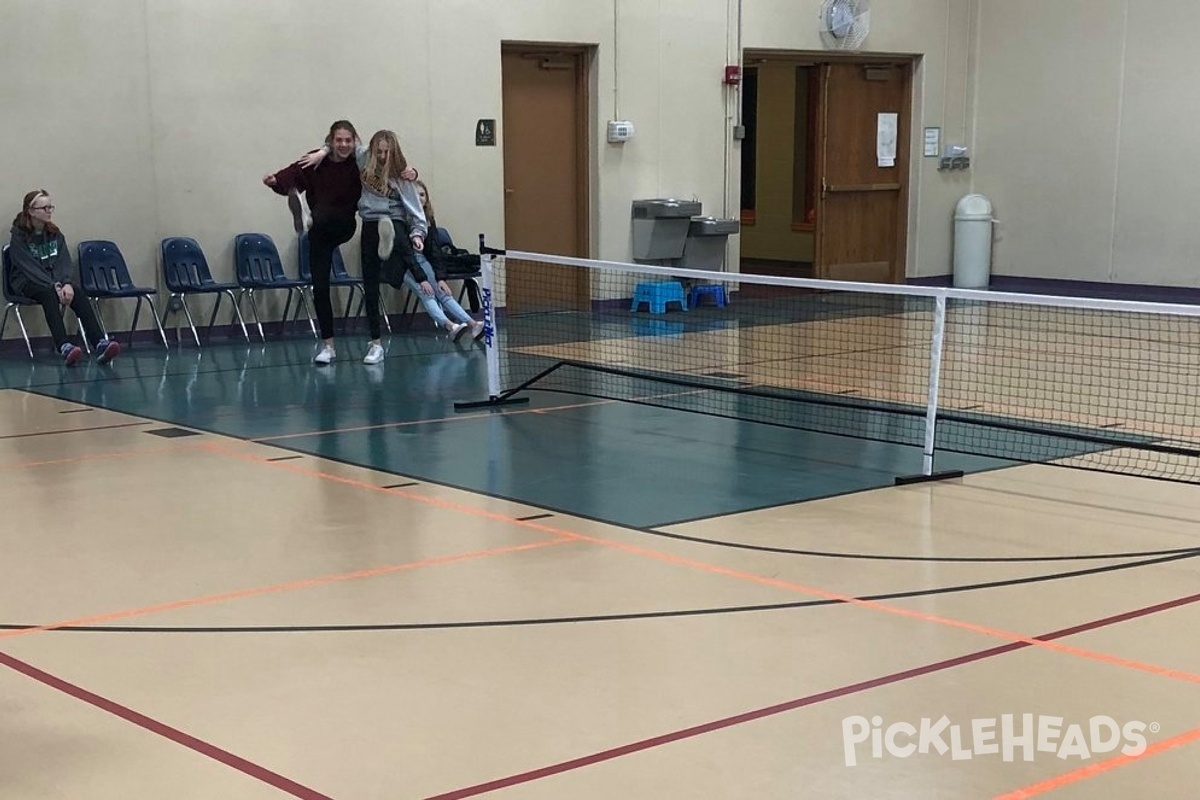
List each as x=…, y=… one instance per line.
x=585, y=57
x=815, y=58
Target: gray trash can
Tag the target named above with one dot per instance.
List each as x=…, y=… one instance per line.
x=973, y=223
x=660, y=227
x=705, y=246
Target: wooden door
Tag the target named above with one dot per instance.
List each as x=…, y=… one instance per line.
x=545, y=175
x=862, y=207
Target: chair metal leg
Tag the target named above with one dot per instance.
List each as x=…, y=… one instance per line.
x=137, y=310
x=13, y=307
x=383, y=313
x=308, y=312
x=237, y=312
x=24, y=332
x=410, y=299
x=287, y=307
x=254, y=307
x=87, y=346
x=154, y=313
x=187, y=312
x=95, y=301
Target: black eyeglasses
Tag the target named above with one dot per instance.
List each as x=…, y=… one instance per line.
x=41, y=208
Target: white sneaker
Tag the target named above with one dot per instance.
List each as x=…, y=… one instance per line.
x=387, y=238
x=374, y=354
x=477, y=330
x=325, y=355
x=457, y=329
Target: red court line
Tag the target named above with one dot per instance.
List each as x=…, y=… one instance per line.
x=1092, y=770
x=820, y=697
x=257, y=771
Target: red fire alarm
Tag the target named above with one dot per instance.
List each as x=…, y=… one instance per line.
x=733, y=75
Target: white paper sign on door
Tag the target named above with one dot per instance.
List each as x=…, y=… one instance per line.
x=885, y=140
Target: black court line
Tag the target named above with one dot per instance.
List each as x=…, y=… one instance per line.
x=393, y=486
x=77, y=411
x=632, y=616
x=284, y=458
x=1080, y=503
x=535, y=516
x=788, y=551
x=801, y=702
x=75, y=430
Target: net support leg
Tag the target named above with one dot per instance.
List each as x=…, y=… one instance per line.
x=490, y=343
x=931, y=406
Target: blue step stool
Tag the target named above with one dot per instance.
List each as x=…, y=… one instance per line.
x=714, y=290
x=656, y=295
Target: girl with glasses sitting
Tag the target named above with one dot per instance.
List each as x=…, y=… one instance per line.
x=43, y=272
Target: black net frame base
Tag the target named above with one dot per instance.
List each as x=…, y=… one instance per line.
x=945, y=475
x=491, y=402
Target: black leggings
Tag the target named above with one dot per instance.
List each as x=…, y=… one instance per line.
x=323, y=238
x=374, y=271
x=47, y=297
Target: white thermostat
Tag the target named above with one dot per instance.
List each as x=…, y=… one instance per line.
x=620, y=130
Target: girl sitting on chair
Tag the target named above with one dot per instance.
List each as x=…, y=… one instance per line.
x=43, y=272
x=430, y=285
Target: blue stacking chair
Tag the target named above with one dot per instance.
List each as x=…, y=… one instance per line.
x=104, y=275
x=14, y=301
x=185, y=272
x=258, y=268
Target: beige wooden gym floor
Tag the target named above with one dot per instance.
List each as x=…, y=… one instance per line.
x=209, y=621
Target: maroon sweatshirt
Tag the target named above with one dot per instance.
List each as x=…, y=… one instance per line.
x=332, y=188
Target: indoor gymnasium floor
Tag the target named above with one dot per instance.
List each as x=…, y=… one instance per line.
x=230, y=574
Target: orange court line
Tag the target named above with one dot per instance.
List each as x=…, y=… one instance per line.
x=560, y=537
x=306, y=583
x=985, y=630
x=1092, y=770
x=563, y=536
x=997, y=633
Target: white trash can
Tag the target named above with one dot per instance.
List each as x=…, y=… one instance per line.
x=973, y=223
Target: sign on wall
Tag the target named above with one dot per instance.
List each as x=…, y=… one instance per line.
x=485, y=133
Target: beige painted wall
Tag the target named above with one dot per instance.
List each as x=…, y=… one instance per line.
x=1088, y=112
x=149, y=118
